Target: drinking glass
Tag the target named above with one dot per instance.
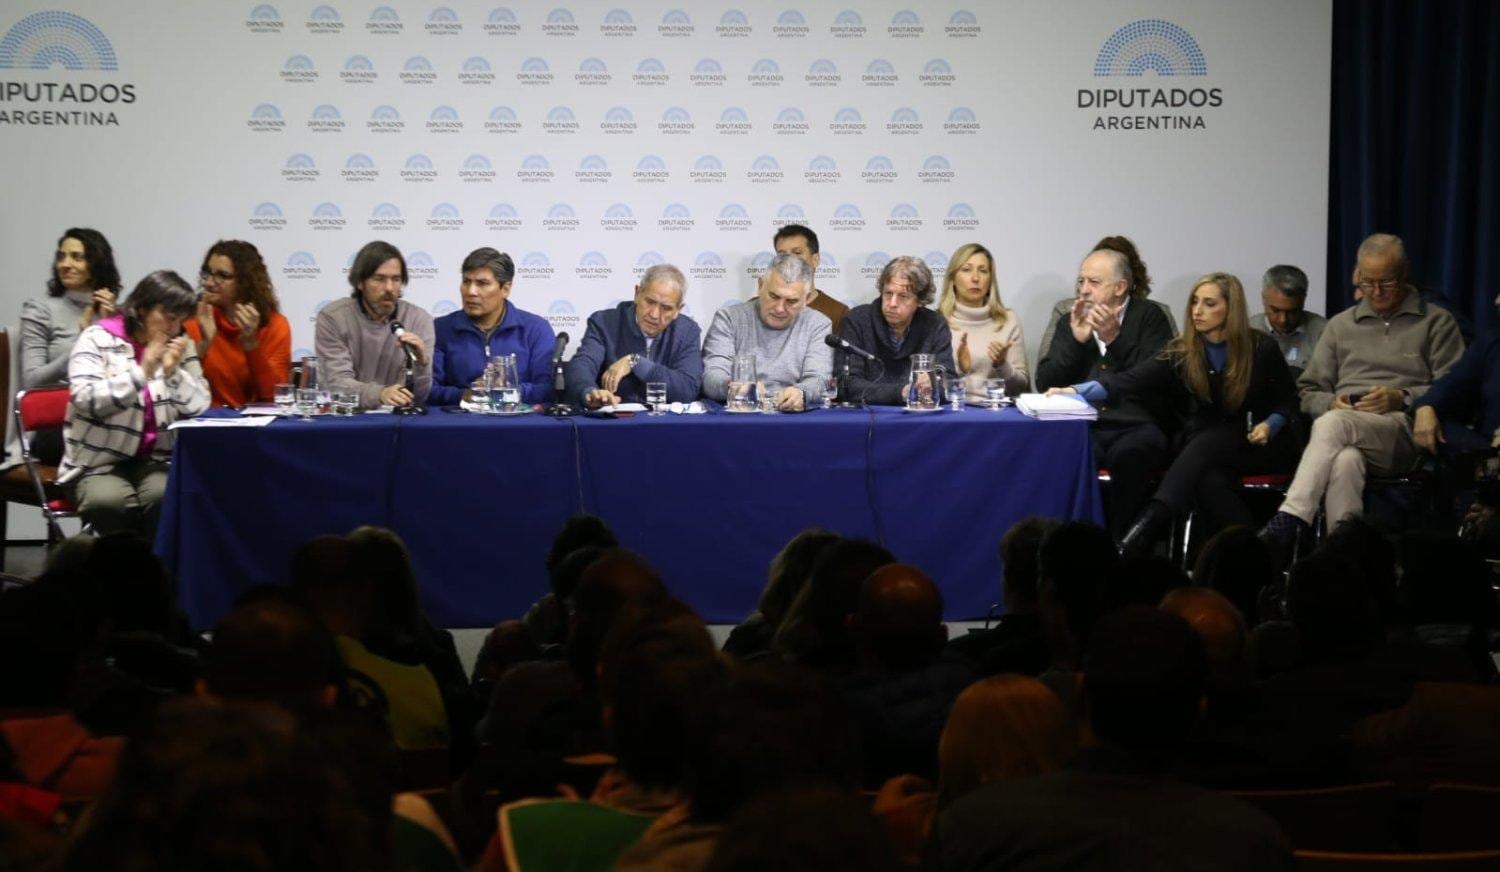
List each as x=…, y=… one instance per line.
x=345, y=402
x=956, y=391
x=994, y=389
x=479, y=393
x=307, y=402
x=323, y=398
x=830, y=391
x=767, y=394
x=656, y=397
x=742, y=380
x=286, y=397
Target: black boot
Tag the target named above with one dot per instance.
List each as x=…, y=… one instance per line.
x=1143, y=534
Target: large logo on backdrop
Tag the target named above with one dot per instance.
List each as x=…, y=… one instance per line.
x=45, y=41
x=1164, y=51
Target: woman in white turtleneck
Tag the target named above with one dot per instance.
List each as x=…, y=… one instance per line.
x=82, y=290
x=987, y=341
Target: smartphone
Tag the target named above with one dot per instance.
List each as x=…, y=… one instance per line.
x=1356, y=397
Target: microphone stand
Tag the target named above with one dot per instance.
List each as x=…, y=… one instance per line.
x=841, y=399
x=411, y=385
x=559, y=409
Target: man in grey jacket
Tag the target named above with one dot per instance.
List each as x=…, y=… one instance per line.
x=1371, y=364
x=780, y=332
x=356, y=351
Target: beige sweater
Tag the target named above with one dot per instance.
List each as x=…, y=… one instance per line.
x=981, y=331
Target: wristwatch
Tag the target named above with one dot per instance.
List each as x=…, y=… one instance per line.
x=1406, y=400
x=634, y=359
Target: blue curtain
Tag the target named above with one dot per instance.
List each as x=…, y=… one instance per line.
x=1415, y=145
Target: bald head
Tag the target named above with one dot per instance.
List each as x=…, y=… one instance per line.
x=898, y=622
x=1214, y=618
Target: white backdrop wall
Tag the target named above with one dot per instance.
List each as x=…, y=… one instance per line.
x=590, y=139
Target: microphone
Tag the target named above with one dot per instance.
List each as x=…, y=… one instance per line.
x=398, y=330
x=559, y=380
x=559, y=346
x=833, y=341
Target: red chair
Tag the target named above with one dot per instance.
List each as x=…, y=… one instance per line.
x=38, y=410
x=1337, y=861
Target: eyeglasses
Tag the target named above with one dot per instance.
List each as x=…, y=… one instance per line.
x=216, y=275
x=1387, y=285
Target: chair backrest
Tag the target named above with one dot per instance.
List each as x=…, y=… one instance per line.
x=1460, y=817
x=1356, y=817
x=42, y=408
x=1336, y=861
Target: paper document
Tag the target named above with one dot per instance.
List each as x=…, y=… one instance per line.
x=1058, y=407
x=247, y=421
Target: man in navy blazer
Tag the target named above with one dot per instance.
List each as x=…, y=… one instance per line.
x=644, y=340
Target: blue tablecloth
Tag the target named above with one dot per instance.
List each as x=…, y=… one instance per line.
x=708, y=499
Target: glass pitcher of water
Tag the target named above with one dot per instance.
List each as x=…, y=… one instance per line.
x=505, y=384
x=923, y=388
x=742, y=395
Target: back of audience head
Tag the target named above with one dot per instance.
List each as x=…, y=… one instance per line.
x=1368, y=547
x=1018, y=553
x=232, y=787
x=777, y=726
x=579, y=531
x=1142, y=581
x=1218, y=623
x=789, y=571
x=815, y=631
x=1237, y=564
x=505, y=645
x=617, y=579
x=326, y=572
x=898, y=620
x=1000, y=729
x=659, y=676
x=1144, y=680
x=1333, y=607
x=381, y=559
x=272, y=651
x=1075, y=562
x=804, y=829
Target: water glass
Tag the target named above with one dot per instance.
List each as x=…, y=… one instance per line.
x=345, y=402
x=285, y=397
x=742, y=385
x=956, y=391
x=323, y=397
x=767, y=394
x=479, y=394
x=830, y=391
x=656, y=397
x=307, y=402
x=994, y=390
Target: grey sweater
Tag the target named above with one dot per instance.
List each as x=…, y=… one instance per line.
x=49, y=327
x=358, y=354
x=795, y=355
x=1360, y=350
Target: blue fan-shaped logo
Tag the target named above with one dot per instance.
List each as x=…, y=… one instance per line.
x=560, y=210
x=300, y=162
x=791, y=18
x=847, y=210
x=848, y=115
x=790, y=210
x=961, y=115
x=708, y=164
x=593, y=162
x=535, y=258
x=502, y=113
x=265, y=12
x=822, y=164
x=324, y=13
x=385, y=210
x=765, y=163
x=905, y=115
x=761, y=261
x=535, y=162
x=936, y=163
x=267, y=210
x=419, y=162
x=733, y=18
x=327, y=210
x=618, y=16
x=650, y=163
x=619, y=115
x=385, y=113
x=877, y=258
x=879, y=164
x=501, y=15
x=708, y=258
x=650, y=258
x=650, y=65
x=560, y=114
x=358, y=62
x=937, y=67
x=734, y=114
x=879, y=67
x=619, y=210
x=326, y=112
x=592, y=65
x=676, y=16
x=962, y=17
x=593, y=258
x=961, y=210
x=823, y=67
x=476, y=162
x=298, y=63
x=848, y=18
x=384, y=14
x=476, y=64
x=708, y=67
x=503, y=210
x=676, y=115
x=559, y=16
x=442, y=15
x=443, y=113
x=1154, y=45
x=904, y=210
x=676, y=210
x=905, y=18
x=418, y=64
x=445, y=210
x=558, y=307
x=533, y=65
x=733, y=210
x=301, y=258
x=765, y=67
x=359, y=162
x=265, y=112
x=790, y=115
x=419, y=259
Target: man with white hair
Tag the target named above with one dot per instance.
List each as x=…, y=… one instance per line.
x=784, y=336
x=1373, y=362
x=647, y=339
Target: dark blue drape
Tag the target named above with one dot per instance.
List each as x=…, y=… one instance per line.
x=1415, y=145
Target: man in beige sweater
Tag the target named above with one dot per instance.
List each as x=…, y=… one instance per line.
x=1371, y=364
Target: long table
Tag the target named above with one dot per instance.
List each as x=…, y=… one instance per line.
x=707, y=499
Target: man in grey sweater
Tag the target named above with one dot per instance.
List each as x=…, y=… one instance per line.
x=777, y=328
x=1372, y=362
x=356, y=351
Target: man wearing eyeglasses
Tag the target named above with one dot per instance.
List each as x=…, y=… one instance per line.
x=1373, y=362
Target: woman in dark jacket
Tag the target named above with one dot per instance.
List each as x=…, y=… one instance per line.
x=1238, y=406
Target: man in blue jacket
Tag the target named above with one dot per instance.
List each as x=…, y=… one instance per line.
x=489, y=325
x=1469, y=393
x=644, y=340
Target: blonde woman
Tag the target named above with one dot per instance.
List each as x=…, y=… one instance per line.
x=987, y=341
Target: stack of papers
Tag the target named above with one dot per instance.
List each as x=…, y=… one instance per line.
x=1058, y=407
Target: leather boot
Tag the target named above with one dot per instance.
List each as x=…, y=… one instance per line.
x=1143, y=534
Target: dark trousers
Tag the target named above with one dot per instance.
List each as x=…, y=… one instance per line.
x=1205, y=476
x=1133, y=455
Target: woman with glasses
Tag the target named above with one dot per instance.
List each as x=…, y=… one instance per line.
x=243, y=340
